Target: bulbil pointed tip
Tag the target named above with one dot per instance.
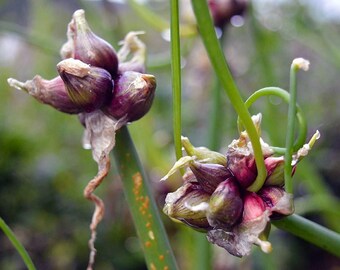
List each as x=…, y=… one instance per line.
x=51, y=92
x=17, y=84
x=131, y=55
x=86, y=46
x=209, y=175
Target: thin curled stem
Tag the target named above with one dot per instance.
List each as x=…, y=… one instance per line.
x=290, y=129
x=282, y=93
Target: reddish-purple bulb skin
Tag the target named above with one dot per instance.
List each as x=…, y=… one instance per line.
x=88, y=87
x=253, y=206
x=132, y=96
x=226, y=205
x=51, y=92
x=86, y=46
x=209, y=175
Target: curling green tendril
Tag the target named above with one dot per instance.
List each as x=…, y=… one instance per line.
x=282, y=93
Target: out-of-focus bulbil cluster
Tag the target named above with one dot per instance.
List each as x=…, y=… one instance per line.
x=106, y=89
x=214, y=196
x=222, y=11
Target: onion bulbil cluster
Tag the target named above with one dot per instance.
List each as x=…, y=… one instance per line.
x=92, y=77
x=214, y=198
x=106, y=89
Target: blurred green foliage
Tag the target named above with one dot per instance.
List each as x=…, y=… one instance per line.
x=43, y=168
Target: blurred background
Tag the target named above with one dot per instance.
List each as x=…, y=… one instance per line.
x=43, y=168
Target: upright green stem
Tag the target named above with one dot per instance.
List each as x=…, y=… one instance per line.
x=215, y=117
x=311, y=232
x=290, y=130
x=203, y=252
x=176, y=77
x=221, y=68
x=216, y=110
x=18, y=246
x=144, y=211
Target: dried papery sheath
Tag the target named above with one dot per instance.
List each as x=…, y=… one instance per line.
x=84, y=45
x=179, y=164
x=134, y=48
x=225, y=205
x=133, y=96
x=203, y=154
x=99, y=135
x=88, y=87
x=209, y=175
x=304, y=150
x=50, y=92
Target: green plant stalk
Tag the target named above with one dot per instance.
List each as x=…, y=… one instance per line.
x=176, y=78
x=144, y=211
x=311, y=232
x=313, y=181
x=318, y=203
x=221, y=68
x=216, y=110
x=203, y=252
x=18, y=246
x=276, y=91
x=215, y=117
x=290, y=129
